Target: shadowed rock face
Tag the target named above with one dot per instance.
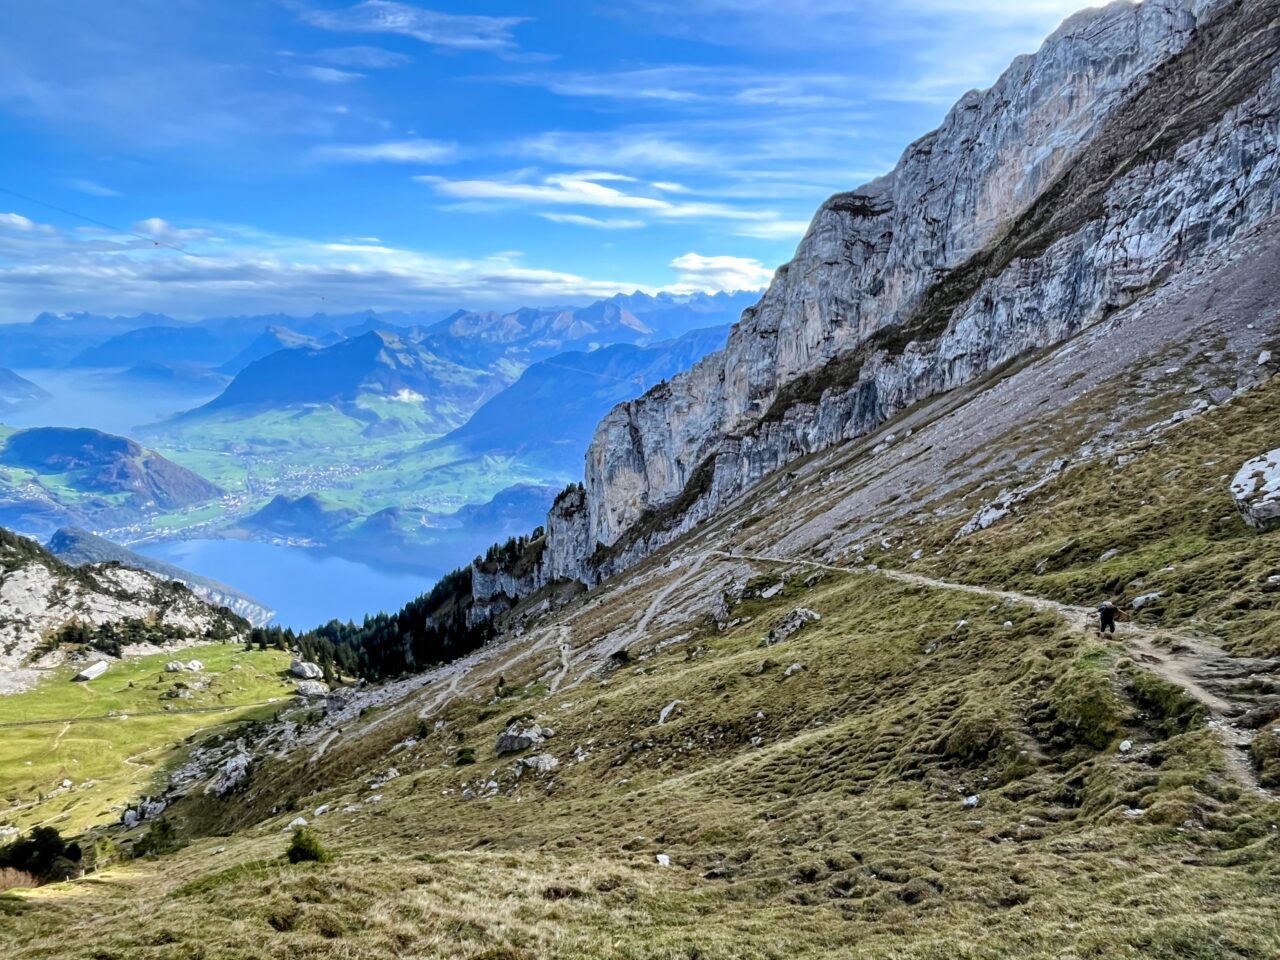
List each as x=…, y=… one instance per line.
x=1137, y=140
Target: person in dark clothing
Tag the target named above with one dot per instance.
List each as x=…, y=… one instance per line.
x=1107, y=617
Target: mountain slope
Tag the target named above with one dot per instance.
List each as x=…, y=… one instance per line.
x=379, y=364
x=17, y=391
x=80, y=548
x=930, y=768
x=50, y=607
x=271, y=339
x=61, y=475
x=1022, y=221
x=554, y=406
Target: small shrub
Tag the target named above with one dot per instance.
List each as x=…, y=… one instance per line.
x=305, y=847
x=162, y=838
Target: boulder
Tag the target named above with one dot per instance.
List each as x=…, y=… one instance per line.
x=791, y=624
x=539, y=763
x=195, y=666
x=312, y=688
x=520, y=736
x=1146, y=598
x=174, y=666
x=305, y=671
x=1256, y=490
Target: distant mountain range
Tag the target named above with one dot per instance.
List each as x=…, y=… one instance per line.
x=554, y=407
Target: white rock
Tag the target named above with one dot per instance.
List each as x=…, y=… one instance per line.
x=321, y=810
x=311, y=689
x=666, y=711
x=663, y=860
x=1264, y=358
x=971, y=801
x=1126, y=746
x=296, y=822
x=1256, y=490
x=305, y=671
x=1141, y=601
x=792, y=670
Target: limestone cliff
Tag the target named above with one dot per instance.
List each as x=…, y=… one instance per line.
x=1138, y=139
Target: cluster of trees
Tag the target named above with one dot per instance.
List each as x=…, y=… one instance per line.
x=428, y=631
x=112, y=637
x=505, y=556
x=44, y=854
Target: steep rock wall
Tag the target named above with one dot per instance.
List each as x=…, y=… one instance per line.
x=1137, y=139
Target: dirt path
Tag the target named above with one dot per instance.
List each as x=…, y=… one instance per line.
x=1184, y=663
x=565, y=649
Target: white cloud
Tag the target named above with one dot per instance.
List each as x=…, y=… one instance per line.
x=589, y=189
x=773, y=230
x=625, y=148
x=394, y=151
x=236, y=268
x=366, y=58
x=324, y=74
x=433, y=27
x=611, y=223
x=91, y=187
x=696, y=273
x=17, y=222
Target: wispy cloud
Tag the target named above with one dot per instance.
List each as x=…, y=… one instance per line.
x=324, y=74
x=364, y=58
x=590, y=189
x=393, y=151
x=581, y=220
x=240, y=268
x=624, y=147
x=775, y=230
x=91, y=187
x=441, y=30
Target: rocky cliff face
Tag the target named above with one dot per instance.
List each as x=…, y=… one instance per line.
x=1138, y=139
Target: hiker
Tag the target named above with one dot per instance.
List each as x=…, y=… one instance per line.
x=1107, y=617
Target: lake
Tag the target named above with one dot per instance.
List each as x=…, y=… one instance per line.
x=304, y=587
x=94, y=398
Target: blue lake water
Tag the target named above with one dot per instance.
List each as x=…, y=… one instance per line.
x=304, y=587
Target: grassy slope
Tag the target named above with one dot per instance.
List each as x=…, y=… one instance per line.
x=1165, y=513
x=839, y=832
x=121, y=757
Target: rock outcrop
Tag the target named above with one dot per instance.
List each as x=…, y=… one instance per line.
x=1256, y=490
x=40, y=597
x=1138, y=139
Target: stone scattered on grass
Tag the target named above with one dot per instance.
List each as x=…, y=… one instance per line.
x=521, y=736
x=971, y=801
x=1126, y=746
x=666, y=711
x=663, y=860
x=791, y=624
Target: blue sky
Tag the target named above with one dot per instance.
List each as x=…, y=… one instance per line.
x=256, y=155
